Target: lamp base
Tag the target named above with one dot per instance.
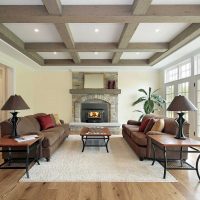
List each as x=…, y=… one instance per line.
x=180, y=138
x=14, y=121
x=180, y=135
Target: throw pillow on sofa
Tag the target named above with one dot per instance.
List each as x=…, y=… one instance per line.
x=45, y=122
x=143, y=125
x=159, y=125
x=149, y=125
x=57, y=119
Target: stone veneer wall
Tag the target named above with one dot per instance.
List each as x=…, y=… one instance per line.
x=77, y=99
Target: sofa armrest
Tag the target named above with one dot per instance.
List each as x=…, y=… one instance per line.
x=133, y=122
x=155, y=133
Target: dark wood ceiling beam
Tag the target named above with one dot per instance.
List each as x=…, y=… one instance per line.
x=189, y=34
x=11, y=39
x=54, y=7
x=94, y=62
x=139, y=7
x=100, y=14
x=99, y=47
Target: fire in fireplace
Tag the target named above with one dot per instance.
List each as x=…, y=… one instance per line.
x=94, y=114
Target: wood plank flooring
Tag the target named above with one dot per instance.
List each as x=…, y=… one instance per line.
x=187, y=187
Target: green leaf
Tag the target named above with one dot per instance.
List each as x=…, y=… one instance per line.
x=139, y=100
x=141, y=116
x=148, y=106
x=142, y=90
x=149, y=92
x=138, y=111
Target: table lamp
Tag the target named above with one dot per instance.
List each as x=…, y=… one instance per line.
x=15, y=102
x=181, y=103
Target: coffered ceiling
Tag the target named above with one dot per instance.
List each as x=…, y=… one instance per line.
x=99, y=32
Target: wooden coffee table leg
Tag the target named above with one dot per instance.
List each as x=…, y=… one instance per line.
x=106, y=143
x=154, y=154
x=82, y=137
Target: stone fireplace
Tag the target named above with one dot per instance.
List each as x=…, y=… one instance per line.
x=94, y=105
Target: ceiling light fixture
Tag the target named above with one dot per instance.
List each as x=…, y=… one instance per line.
x=96, y=53
x=96, y=30
x=157, y=30
x=36, y=30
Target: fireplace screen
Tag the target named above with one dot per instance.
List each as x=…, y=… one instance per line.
x=94, y=115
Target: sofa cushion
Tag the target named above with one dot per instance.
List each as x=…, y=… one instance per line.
x=46, y=122
x=143, y=125
x=149, y=125
x=51, y=135
x=171, y=126
x=159, y=125
x=130, y=128
x=139, y=138
x=25, y=125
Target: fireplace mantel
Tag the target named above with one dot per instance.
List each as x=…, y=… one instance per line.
x=95, y=91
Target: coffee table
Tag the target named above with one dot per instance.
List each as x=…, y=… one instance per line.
x=164, y=141
x=9, y=145
x=95, y=134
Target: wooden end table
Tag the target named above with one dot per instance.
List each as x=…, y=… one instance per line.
x=163, y=142
x=95, y=134
x=10, y=146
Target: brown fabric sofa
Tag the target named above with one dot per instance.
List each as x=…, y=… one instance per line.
x=140, y=143
x=51, y=138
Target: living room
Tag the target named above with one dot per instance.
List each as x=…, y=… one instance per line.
x=61, y=56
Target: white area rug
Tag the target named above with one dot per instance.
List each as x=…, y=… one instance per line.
x=69, y=164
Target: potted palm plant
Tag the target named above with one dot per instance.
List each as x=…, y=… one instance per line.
x=151, y=102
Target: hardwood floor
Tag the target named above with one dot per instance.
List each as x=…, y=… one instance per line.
x=187, y=187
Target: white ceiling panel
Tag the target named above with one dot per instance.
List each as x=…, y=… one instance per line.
x=96, y=2
x=137, y=55
x=175, y=2
x=85, y=32
x=20, y=2
x=95, y=55
x=157, y=32
x=25, y=31
x=57, y=55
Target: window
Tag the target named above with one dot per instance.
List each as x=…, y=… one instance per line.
x=197, y=64
x=180, y=71
x=185, y=69
x=183, y=89
x=169, y=98
x=198, y=107
x=171, y=75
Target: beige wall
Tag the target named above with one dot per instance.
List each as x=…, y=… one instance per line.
x=24, y=86
x=52, y=95
x=46, y=91
x=129, y=83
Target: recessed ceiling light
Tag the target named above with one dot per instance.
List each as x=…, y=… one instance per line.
x=137, y=53
x=96, y=30
x=157, y=30
x=36, y=30
x=54, y=53
x=96, y=53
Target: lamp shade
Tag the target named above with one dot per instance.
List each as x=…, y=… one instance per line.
x=181, y=103
x=15, y=102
